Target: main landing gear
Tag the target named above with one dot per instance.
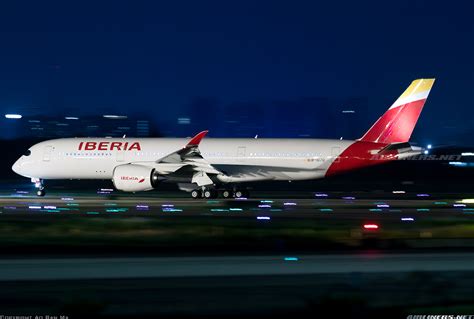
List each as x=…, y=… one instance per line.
x=206, y=193
x=40, y=186
x=209, y=193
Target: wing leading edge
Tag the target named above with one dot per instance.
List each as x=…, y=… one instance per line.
x=190, y=157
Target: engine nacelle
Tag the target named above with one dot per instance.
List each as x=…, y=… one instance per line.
x=134, y=178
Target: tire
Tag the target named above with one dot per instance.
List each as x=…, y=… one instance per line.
x=196, y=194
x=226, y=194
x=208, y=194
x=40, y=193
x=238, y=194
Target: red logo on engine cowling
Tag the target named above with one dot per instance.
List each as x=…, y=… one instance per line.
x=109, y=146
x=132, y=178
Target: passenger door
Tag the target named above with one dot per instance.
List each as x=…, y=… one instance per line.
x=48, y=150
x=241, y=150
x=335, y=151
x=120, y=156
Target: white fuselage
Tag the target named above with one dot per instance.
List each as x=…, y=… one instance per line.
x=241, y=159
x=140, y=164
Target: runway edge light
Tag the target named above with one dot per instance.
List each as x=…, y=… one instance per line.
x=371, y=226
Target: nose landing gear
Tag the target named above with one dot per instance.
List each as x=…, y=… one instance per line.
x=40, y=186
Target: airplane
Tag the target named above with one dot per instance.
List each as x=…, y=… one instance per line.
x=209, y=167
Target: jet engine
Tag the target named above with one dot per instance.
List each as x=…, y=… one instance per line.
x=134, y=178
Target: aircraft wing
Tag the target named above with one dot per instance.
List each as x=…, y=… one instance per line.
x=190, y=150
x=189, y=157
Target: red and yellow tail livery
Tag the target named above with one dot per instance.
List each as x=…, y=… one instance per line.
x=397, y=124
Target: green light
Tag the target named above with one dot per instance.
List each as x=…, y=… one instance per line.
x=116, y=210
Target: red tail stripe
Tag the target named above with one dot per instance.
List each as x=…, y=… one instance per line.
x=358, y=155
x=396, y=125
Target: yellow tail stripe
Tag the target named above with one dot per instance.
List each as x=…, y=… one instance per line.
x=418, y=86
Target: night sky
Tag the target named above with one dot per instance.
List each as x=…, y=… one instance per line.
x=156, y=56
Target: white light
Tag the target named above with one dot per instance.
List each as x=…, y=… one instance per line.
x=458, y=163
x=371, y=226
x=71, y=118
x=348, y=111
x=467, y=154
x=13, y=116
x=111, y=116
x=425, y=152
x=184, y=120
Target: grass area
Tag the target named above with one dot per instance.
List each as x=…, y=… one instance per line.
x=219, y=233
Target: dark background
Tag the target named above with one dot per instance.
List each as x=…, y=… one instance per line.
x=298, y=69
x=237, y=68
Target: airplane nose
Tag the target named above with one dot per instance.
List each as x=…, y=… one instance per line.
x=16, y=167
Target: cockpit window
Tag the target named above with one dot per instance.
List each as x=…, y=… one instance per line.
x=27, y=153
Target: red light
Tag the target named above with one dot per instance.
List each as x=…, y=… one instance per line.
x=371, y=226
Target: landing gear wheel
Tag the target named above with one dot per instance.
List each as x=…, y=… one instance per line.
x=41, y=192
x=209, y=193
x=226, y=194
x=196, y=194
x=238, y=194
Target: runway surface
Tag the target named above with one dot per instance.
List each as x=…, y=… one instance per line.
x=296, y=204
x=169, y=267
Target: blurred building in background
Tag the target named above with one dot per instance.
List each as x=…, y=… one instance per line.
x=312, y=117
x=50, y=126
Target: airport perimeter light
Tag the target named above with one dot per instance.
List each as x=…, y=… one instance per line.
x=371, y=226
x=113, y=116
x=13, y=116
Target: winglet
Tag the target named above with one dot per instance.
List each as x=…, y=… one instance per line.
x=196, y=139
